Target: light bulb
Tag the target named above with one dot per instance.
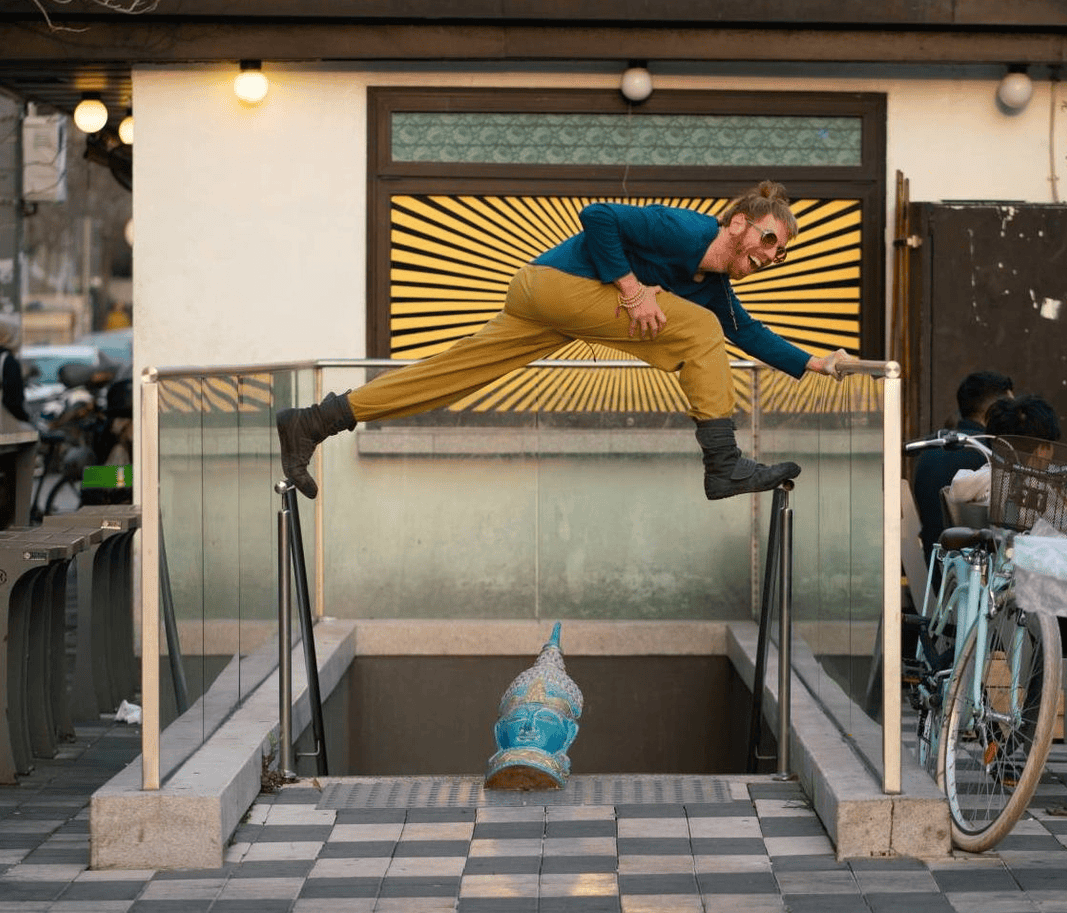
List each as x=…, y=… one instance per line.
x=636, y=84
x=91, y=115
x=126, y=129
x=1015, y=90
x=250, y=85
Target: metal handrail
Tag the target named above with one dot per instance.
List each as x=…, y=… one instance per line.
x=172, y=371
x=285, y=643
x=779, y=568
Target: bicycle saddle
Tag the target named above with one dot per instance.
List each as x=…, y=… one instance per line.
x=956, y=537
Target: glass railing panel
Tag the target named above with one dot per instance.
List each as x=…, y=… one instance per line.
x=253, y=549
x=298, y=387
x=182, y=513
x=218, y=465
x=432, y=516
x=219, y=531
x=625, y=530
x=835, y=431
x=530, y=510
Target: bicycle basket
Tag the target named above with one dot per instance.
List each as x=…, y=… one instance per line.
x=1028, y=481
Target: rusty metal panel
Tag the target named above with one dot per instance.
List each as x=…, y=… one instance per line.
x=994, y=297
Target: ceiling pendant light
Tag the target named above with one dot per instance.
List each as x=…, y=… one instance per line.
x=126, y=128
x=250, y=85
x=91, y=114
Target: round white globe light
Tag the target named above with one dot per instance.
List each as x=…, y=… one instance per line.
x=251, y=86
x=91, y=115
x=126, y=130
x=636, y=84
x=1015, y=90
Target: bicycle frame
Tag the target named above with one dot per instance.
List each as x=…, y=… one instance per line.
x=981, y=576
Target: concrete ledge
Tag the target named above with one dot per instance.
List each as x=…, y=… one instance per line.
x=464, y=637
x=845, y=789
x=187, y=822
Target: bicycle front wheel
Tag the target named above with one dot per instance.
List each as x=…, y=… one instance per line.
x=994, y=749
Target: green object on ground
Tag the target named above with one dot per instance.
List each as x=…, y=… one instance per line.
x=107, y=476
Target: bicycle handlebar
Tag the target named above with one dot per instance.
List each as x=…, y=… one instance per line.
x=953, y=440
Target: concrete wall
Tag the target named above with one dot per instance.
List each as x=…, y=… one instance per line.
x=432, y=715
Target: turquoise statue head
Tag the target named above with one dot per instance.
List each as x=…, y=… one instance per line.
x=538, y=721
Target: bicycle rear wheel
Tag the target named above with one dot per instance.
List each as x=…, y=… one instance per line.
x=992, y=754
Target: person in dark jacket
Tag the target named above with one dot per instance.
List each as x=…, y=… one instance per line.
x=14, y=390
x=652, y=281
x=13, y=402
x=937, y=466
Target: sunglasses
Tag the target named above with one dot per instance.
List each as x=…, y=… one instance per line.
x=768, y=237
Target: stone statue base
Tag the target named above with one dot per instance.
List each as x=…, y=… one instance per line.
x=524, y=768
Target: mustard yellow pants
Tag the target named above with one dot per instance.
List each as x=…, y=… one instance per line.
x=544, y=310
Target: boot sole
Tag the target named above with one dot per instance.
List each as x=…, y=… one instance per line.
x=751, y=485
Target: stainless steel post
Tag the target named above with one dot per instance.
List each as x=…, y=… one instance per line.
x=285, y=642
x=150, y=576
x=785, y=638
x=892, y=470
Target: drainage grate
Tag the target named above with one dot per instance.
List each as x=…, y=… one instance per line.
x=462, y=792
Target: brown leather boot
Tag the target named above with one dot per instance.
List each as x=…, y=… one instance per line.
x=300, y=431
x=726, y=472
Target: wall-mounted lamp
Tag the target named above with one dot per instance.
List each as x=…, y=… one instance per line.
x=126, y=128
x=91, y=114
x=1015, y=89
x=250, y=85
x=636, y=83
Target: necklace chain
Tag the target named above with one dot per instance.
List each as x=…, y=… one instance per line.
x=729, y=299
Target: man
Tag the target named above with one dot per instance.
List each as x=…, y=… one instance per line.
x=652, y=281
x=936, y=466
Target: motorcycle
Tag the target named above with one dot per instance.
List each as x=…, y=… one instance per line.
x=89, y=425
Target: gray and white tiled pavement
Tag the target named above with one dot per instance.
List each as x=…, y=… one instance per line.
x=758, y=847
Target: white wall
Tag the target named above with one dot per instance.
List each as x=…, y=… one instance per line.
x=250, y=223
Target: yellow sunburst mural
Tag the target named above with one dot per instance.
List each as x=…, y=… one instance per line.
x=452, y=258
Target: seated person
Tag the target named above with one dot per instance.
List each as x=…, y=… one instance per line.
x=1027, y=416
x=936, y=466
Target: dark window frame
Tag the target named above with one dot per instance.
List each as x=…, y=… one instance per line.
x=385, y=177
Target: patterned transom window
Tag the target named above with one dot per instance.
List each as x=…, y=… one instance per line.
x=624, y=139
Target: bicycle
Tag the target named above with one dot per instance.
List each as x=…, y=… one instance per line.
x=987, y=672
x=93, y=426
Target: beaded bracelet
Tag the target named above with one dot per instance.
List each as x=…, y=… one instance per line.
x=632, y=301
